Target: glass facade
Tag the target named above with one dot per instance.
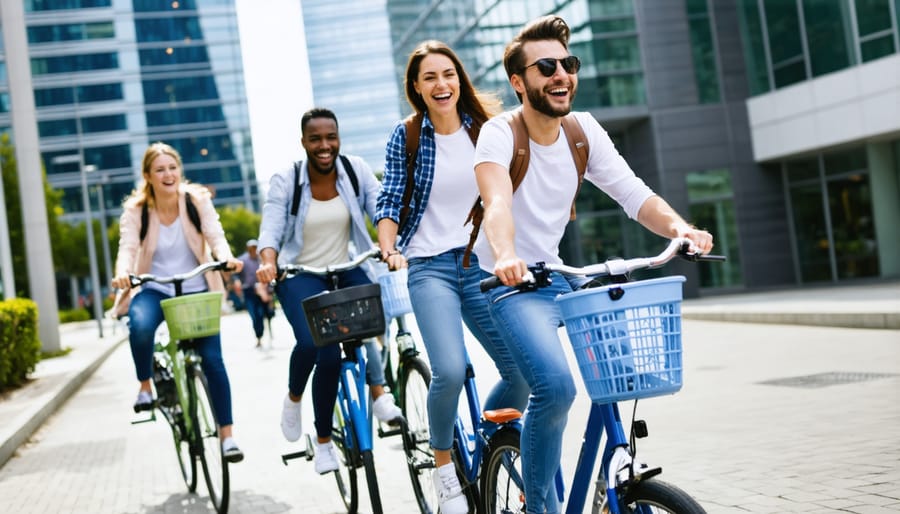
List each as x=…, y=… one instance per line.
x=112, y=76
x=831, y=205
x=711, y=198
x=353, y=74
x=789, y=41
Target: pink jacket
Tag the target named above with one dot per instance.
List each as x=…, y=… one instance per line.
x=136, y=257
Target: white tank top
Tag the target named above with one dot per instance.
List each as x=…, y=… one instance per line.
x=326, y=233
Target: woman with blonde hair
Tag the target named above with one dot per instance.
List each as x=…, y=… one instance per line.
x=156, y=235
x=448, y=115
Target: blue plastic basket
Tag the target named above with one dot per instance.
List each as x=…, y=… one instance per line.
x=627, y=338
x=394, y=294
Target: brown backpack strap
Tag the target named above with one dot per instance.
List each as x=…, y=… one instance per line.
x=413, y=125
x=578, y=145
x=517, y=168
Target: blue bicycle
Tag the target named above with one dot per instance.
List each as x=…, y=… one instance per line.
x=347, y=316
x=627, y=341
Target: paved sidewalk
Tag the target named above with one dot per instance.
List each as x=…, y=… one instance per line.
x=871, y=306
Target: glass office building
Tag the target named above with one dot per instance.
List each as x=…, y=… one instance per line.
x=682, y=87
x=351, y=69
x=112, y=76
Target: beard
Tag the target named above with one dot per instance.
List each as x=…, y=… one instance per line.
x=313, y=165
x=540, y=101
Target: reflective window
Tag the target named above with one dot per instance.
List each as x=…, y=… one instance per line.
x=711, y=199
x=54, y=128
x=53, y=5
x=185, y=116
x=107, y=123
x=4, y=102
x=70, y=32
x=173, y=55
x=828, y=34
x=86, y=94
x=168, y=29
x=179, y=89
x=703, y=51
x=73, y=63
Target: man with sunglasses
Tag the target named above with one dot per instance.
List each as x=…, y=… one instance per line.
x=526, y=227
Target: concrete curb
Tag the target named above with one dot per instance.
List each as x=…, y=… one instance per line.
x=37, y=412
x=869, y=320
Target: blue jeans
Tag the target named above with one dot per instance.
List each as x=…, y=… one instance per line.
x=257, y=310
x=444, y=293
x=327, y=359
x=144, y=316
x=529, y=323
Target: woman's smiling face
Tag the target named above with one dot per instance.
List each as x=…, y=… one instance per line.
x=438, y=83
x=164, y=174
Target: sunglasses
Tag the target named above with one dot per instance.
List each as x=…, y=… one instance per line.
x=547, y=65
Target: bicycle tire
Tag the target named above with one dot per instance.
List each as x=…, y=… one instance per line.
x=502, y=489
x=187, y=461
x=415, y=380
x=661, y=497
x=209, y=447
x=345, y=475
x=368, y=462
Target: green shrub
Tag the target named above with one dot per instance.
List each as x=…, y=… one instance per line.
x=20, y=348
x=69, y=315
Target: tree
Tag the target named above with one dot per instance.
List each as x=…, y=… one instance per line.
x=52, y=199
x=240, y=225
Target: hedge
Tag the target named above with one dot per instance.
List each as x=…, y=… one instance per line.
x=20, y=348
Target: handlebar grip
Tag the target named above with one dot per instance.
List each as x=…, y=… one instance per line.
x=490, y=283
x=715, y=258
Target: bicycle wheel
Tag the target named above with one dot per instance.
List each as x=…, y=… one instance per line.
x=171, y=411
x=653, y=496
x=368, y=462
x=502, y=487
x=415, y=379
x=215, y=467
x=345, y=476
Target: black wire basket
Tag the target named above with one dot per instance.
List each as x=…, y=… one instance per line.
x=349, y=314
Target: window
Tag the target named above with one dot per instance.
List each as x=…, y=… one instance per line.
x=711, y=200
x=829, y=35
x=703, y=51
x=53, y=5
x=70, y=32
x=74, y=63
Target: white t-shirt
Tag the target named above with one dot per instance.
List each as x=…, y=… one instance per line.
x=326, y=233
x=173, y=256
x=452, y=194
x=542, y=203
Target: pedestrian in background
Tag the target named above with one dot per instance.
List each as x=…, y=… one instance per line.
x=257, y=308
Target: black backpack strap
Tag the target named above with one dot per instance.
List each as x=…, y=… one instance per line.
x=145, y=216
x=350, y=171
x=295, y=201
x=192, y=214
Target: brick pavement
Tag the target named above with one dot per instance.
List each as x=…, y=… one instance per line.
x=736, y=444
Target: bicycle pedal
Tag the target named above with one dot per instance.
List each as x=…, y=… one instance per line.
x=296, y=455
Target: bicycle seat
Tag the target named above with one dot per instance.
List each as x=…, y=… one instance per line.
x=502, y=415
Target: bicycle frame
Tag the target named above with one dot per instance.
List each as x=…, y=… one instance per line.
x=353, y=398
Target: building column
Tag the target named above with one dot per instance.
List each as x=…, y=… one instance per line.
x=38, y=253
x=884, y=176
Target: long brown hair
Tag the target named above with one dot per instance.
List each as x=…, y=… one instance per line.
x=480, y=106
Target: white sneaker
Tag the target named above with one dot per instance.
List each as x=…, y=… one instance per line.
x=290, y=419
x=448, y=491
x=384, y=408
x=326, y=459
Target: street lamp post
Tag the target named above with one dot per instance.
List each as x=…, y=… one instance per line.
x=83, y=170
x=104, y=236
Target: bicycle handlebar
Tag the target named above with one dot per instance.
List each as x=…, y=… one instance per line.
x=288, y=270
x=137, y=280
x=678, y=247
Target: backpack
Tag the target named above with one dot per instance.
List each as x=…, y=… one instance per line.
x=192, y=213
x=295, y=201
x=578, y=145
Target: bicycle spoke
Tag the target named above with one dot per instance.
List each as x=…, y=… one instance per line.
x=215, y=468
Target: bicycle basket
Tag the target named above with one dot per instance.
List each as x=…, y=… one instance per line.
x=394, y=294
x=630, y=347
x=193, y=315
x=347, y=314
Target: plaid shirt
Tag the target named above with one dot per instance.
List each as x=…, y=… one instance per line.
x=393, y=183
